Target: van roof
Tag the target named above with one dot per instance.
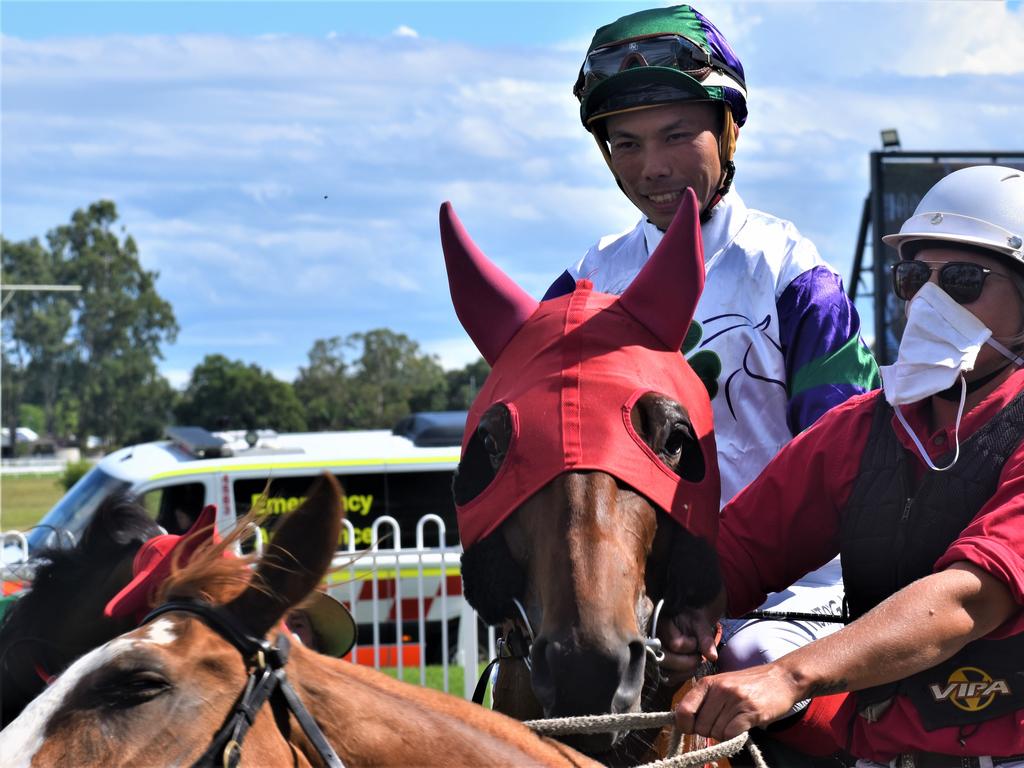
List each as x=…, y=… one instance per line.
x=422, y=441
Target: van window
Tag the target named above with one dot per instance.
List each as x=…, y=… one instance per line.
x=406, y=496
x=175, y=507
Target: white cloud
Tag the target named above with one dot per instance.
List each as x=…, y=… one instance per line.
x=178, y=377
x=452, y=353
x=405, y=31
x=287, y=187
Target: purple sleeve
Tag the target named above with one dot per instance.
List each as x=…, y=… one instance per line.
x=826, y=360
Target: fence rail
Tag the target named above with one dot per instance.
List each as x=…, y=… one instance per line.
x=407, y=601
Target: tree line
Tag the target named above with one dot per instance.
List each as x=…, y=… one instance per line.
x=85, y=363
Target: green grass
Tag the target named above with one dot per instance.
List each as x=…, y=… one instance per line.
x=435, y=679
x=24, y=499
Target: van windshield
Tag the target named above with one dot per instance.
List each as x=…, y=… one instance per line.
x=62, y=526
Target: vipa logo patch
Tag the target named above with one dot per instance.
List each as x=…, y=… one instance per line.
x=970, y=689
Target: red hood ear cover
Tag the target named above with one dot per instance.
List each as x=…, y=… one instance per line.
x=570, y=372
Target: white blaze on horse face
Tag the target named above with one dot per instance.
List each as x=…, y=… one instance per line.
x=24, y=736
x=160, y=632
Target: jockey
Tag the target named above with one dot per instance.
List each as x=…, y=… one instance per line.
x=774, y=337
x=921, y=487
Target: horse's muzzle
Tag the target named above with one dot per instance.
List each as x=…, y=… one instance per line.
x=570, y=679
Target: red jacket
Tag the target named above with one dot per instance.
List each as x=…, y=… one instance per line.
x=786, y=523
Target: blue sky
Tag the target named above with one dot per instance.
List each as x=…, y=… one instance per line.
x=281, y=164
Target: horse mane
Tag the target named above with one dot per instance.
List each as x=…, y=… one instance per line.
x=121, y=524
x=214, y=573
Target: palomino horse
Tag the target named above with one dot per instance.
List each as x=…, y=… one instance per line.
x=171, y=691
x=590, y=423
x=61, y=617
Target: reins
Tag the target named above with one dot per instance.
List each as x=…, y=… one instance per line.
x=644, y=720
x=267, y=680
x=515, y=644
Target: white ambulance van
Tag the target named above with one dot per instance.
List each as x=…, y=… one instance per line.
x=400, y=516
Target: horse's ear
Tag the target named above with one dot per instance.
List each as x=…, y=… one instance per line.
x=663, y=297
x=296, y=560
x=490, y=306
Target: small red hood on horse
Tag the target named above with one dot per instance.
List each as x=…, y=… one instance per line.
x=569, y=371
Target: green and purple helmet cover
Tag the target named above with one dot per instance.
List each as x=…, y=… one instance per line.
x=658, y=85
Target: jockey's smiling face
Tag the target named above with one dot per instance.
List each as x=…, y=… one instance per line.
x=658, y=152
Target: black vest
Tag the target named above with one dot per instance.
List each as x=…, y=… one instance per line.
x=892, y=533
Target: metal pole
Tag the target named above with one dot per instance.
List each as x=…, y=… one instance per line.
x=14, y=288
x=858, y=253
x=878, y=261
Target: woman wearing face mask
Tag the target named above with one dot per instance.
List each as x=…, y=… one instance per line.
x=920, y=486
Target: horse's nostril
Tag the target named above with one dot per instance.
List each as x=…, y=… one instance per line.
x=627, y=695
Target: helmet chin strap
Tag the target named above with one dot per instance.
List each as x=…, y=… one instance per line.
x=726, y=151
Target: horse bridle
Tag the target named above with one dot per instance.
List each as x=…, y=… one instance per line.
x=267, y=680
x=516, y=644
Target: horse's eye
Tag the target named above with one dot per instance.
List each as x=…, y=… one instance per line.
x=133, y=688
x=490, y=444
x=676, y=438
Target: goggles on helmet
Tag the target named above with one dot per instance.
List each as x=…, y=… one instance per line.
x=670, y=51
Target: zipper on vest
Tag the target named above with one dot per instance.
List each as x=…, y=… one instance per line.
x=906, y=510
x=901, y=541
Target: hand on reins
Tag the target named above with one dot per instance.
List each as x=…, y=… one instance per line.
x=688, y=638
x=726, y=705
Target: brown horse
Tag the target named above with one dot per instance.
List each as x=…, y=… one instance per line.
x=588, y=488
x=61, y=616
x=163, y=693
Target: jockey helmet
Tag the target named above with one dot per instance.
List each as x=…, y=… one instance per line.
x=980, y=206
x=661, y=56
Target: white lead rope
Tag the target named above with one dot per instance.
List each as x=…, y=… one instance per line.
x=561, y=726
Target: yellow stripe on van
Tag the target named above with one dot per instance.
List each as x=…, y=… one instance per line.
x=365, y=574
x=322, y=464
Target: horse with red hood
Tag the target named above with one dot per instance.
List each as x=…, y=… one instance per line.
x=588, y=488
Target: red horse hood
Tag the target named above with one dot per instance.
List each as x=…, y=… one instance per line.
x=569, y=370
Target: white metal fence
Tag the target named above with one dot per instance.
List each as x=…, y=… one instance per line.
x=407, y=600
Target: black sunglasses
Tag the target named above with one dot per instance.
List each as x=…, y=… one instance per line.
x=962, y=280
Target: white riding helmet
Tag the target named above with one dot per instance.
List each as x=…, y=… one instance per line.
x=982, y=205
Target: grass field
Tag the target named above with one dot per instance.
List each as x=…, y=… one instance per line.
x=435, y=677
x=26, y=498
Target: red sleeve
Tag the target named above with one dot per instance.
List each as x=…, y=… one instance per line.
x=785, y=524
x=994, y=540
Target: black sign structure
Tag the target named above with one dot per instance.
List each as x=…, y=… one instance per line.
x=898, y=182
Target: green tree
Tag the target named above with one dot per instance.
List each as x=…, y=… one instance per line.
x=36, y=327
x=88, y=359
x=465, y=383
x=119, y=323
x=391, y=378
x=323, y=387
x=32, y=416
x=228, y=394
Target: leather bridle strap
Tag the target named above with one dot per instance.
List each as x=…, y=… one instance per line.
x=266, y=681
x=513, y=645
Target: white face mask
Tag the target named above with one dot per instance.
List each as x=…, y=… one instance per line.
x=941, y=342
